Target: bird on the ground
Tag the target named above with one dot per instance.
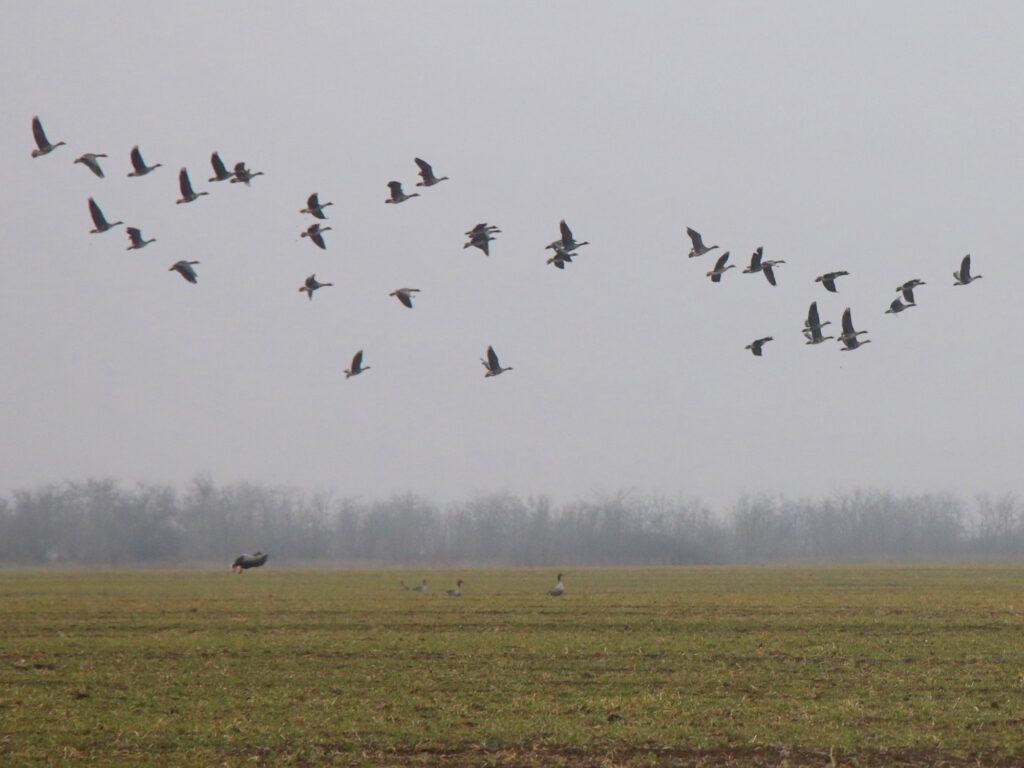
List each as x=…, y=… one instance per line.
x=698, y=249
x=963, y=275
x=312, y=284
x=829, y=280
x=43, y=145
x=243, y=174
x=421, y=587
x=897, y=306
x=184, y=268
x=220, y=171
x=907, y=289
x=756, y=345
x=99, y=220
x=427, y=174
x=457, y=592
x=315, y=233
x=245, y=562
x=397, y=195
x=90, y=161
x=492, y=365
x=558, y=589
x=187, y=195
x=139, y=165
x=357, y=366
x=849, y=336
x=566, y=243
x=135, y=239
x=404, y=295
x=813, y=326
x=314, y=207
x=759, y=265
x=402, y=585
x=720, y=268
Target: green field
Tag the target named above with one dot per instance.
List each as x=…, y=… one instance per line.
x=867, y=665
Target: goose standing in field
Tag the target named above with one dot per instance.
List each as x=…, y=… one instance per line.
x=220, y=171
x=897, y=306
x=139, y=165
x=963, y=275
x=402, y=585
x=559, y=589
x=245, y=562
x=829, y=280
x=492, y=365
x=457, y=592
x=848, y=338
x=243, y=174
x=566, y=243
x=184, y=268
x=187, y=195
x=813, y=326
x=907, y=289
x=314, y=207
x=43, y=145
x=90, y=160
x=427, y=174
x=698, y=249
x=312, y=284
x=720, y=267
x=756, y=346
x=421, y=587
x=357, y=368
x=315, y=233
x=99, y=220
x=397, y=195
x=404, y=295
x=135, y=239
x=758, y=265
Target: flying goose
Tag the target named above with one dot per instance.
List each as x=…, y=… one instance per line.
x=457, y=592
x=314, y=207
x=829, y=280
x=421, y=587
x=245, y=562
x=243, y=174
x=849, y=336
x=483, y=228
x=43, y=145
x=315, y=233
x=141, y=169
x=757, y=265
x=397, y=195
x=404, y=295
x=90, y=161
x=561, y=258
x=492, y=365
x=559, y=589
x=481, y=236
x=907, y=289
x=135, y=239
x=99, y=220
x=427, y=174
x=566, y=242
x=755, y=346
x=813, y=326
x=220, y=171
x=312, y=285
x=698, y=249
x=898, y=306
x=851, y=343
x=357, y=368
x=187, y=195
x=963, y=275
x=184, y=268
x=719, y=270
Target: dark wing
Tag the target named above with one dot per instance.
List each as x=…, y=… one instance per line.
x=318, y=238
x=357, y=361
x=908, y=294
x=965, y=267
x=219, y=169
x=185, y=184
x=566, y=232
x=492, y=359
x=755, y=257
x=240, y=560
x=240, y=168
x=769, y=273
x=696, y=239
x=396, y=189
x=829, y=284
x=756, y=348
x=847, y=322
x=721, y=261
x=137, y=162
x=560, y=263
x=405, y=299
x=426, y=172
x=313, y=201
x=134, y=235
x=813, y=321
x=38, y=133
x=896, y=305
x=97, y=215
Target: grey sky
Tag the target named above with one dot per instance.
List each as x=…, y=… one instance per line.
x=882, y=138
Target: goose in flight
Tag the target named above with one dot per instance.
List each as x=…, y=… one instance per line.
x=90, y=160
x=220, y=171
x=397, y=195
x=427, y=174
x=135, y=239
x=481, y=236
x=483, y=228
x=315, y=233
x=492, y=365
x=312, y=284
x=561, y=258
x=757, y=345
x=813, y=326
x=963, y=275
x=566, y=243
x=141, y=169
x=698, y=249
x=720, y=267
x=184, y=268
x=849, y=335
x=421, y=587
x=907, y=289
x=457, y=592
x=245, y=562
x=243, y=174
x=559, y=589
x=404, y=295
x=187, y=195
x=314, y=207
x=43, y=145
x=99, y=220
x=852, y=342
x=829, y=280
x=357, y=368
x=758, y=265
x=897, y=306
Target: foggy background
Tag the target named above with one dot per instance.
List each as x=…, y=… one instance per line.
x=884, y=139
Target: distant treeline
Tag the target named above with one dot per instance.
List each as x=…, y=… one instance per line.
x=103, y=523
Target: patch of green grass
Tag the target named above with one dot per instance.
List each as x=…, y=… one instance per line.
x=708, y=666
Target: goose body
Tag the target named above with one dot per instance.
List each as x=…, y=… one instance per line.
x=356, y=368
x=829, y=280
x=566, y=243
x=897, y=306
x=481, y=236
x=245, y=562
x=314, y=207
x=184, y=268
x=99, y=220
x=187, y=195
x=848, y=338
x=43, y=145
x=907, y=289
x=427, y=174
x=243, y=174
x=139, y=167
x=457, y=591
x=720, y=268
x=698, y=249
x=421, y=587
x=963, y=275
x=559, y=589
x=404, y=295
x=561, y=258
x=91, y=161
x=135, y=240
x=397, y=195
x=757, y=345
x=315, y=233
x=492, y=365
x=813, y=326
x=220, y=171
x=311, y=285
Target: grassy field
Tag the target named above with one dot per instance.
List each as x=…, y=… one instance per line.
x=737, y=666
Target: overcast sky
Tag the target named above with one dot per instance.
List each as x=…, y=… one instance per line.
x=884, y=139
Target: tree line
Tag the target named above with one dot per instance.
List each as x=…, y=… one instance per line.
x=105, y=523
